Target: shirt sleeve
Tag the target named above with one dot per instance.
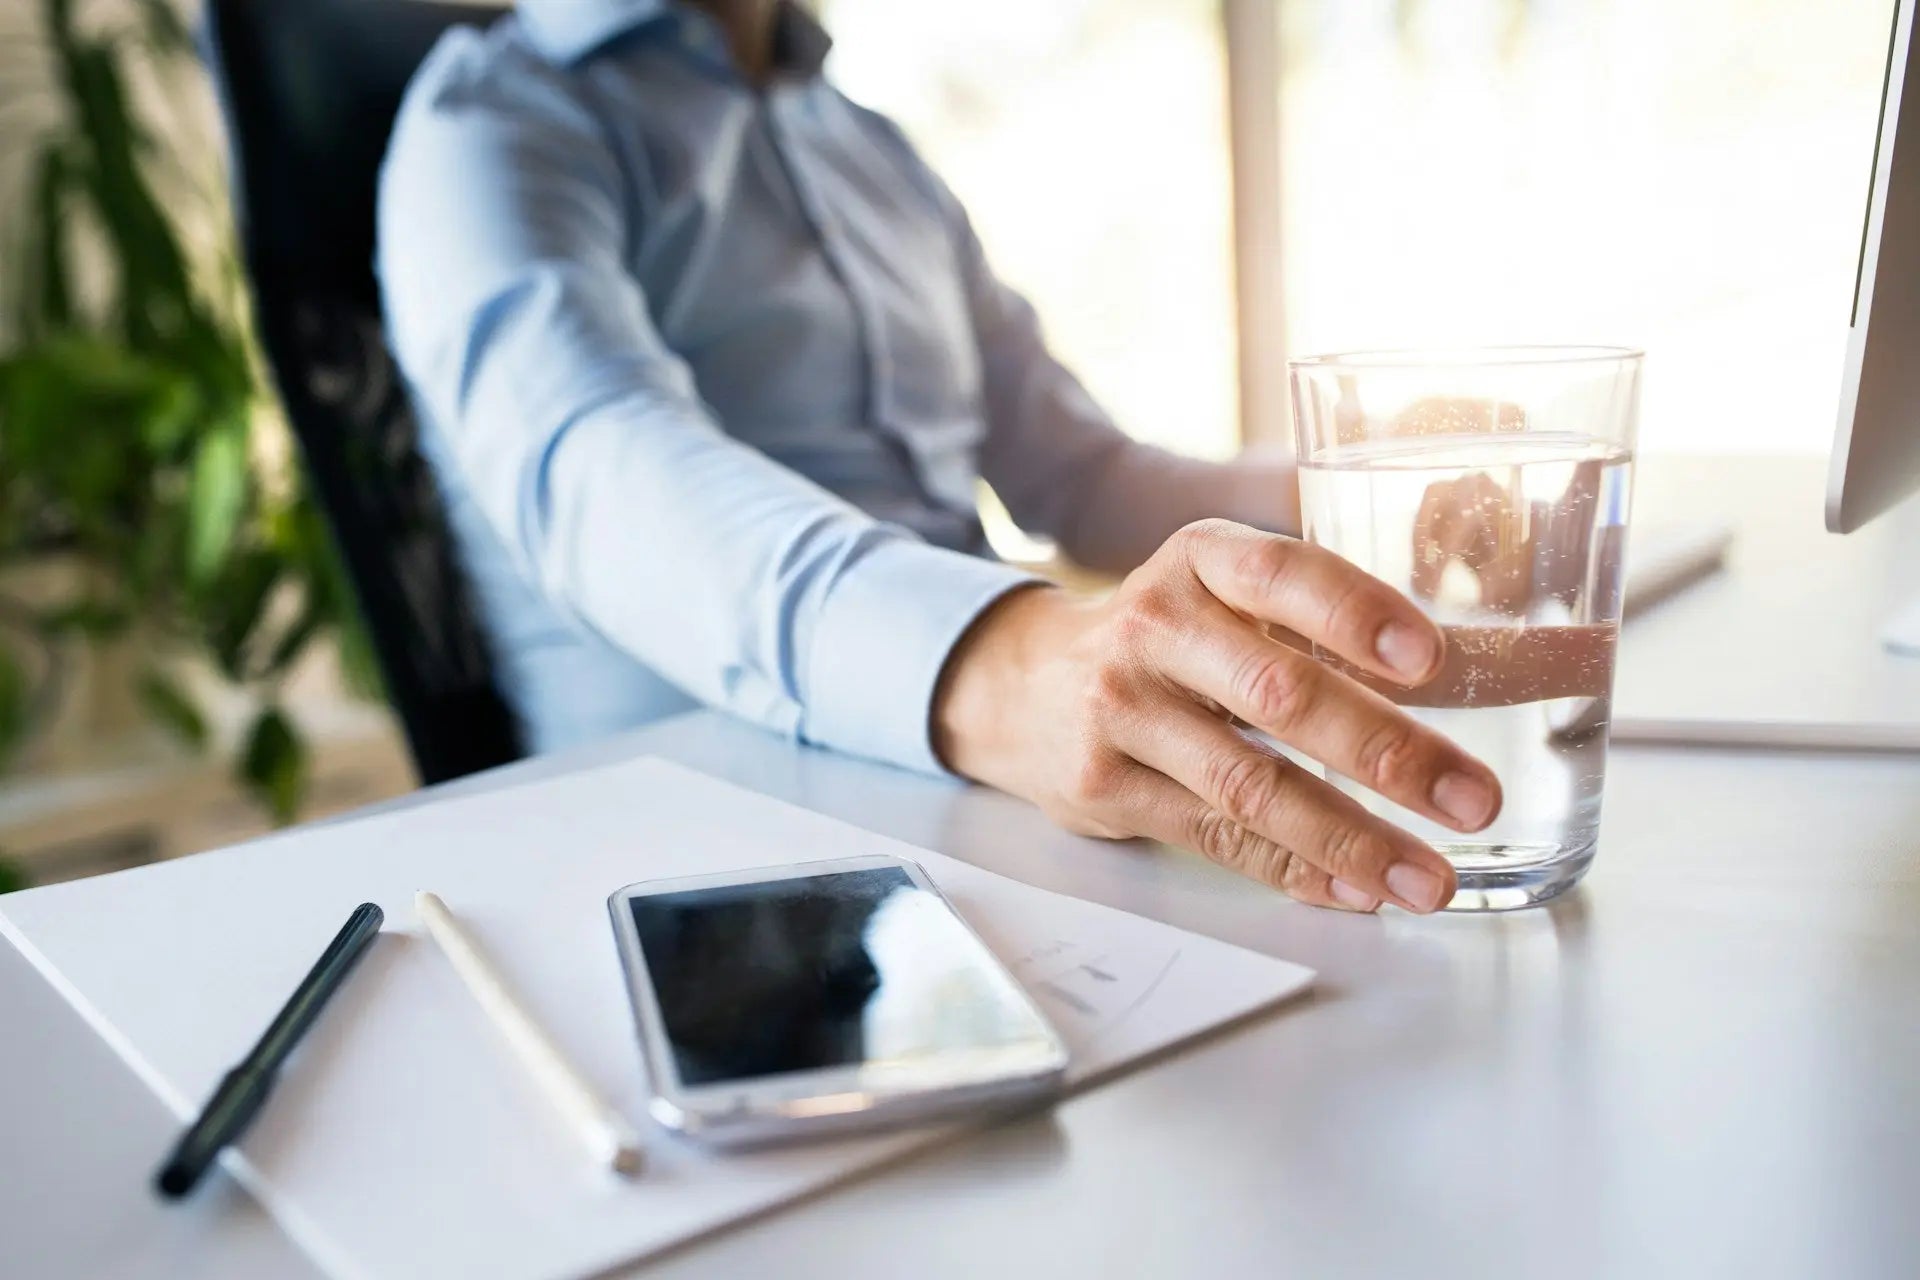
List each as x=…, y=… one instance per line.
x=1057, y=460
x=503, y=229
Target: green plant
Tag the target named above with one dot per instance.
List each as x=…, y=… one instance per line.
x=135, y=438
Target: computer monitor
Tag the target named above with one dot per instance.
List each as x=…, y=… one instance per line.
x=1876, y=450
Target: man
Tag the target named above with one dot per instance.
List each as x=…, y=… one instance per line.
x=709, y=363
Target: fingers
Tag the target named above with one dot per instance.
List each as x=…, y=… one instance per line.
x=1367, y=625
x=1275, y=800
x=1315, y=593
x=1164, y=810
x=1315, y=709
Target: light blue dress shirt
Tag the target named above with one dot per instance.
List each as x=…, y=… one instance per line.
x=707, y=375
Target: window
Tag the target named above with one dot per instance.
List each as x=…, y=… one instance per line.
x=1690, y=178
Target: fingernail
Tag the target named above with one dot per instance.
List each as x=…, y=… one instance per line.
x=1406, y=649
x=1465, y=799
x=1353, y=899
x=1417, y=887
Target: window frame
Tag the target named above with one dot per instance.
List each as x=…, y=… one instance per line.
x=1250, y=33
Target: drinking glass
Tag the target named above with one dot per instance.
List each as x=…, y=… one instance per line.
x=1491, y=486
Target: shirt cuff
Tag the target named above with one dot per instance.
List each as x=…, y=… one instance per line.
x=881, y=640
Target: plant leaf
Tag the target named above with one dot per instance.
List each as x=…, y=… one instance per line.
x=52, y=304
x=154, y=289
x=294, y=640
x=14, y=701
x=218, y=500
x=236, y=605
x=11, y=877
x=98, y=619
x=359, y=664
x=71, y=414
x=171, y=413
x=273, y=764
x=168, y=703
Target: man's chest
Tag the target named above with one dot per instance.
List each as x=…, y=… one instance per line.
x=794, y=259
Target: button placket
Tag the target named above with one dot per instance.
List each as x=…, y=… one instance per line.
x=880, y=409
x=813, y=210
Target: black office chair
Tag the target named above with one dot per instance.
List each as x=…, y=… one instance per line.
x=309, y=89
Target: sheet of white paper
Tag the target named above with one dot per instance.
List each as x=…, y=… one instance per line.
x=402, y=1140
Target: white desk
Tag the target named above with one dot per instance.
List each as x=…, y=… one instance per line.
x=1704, y=1062
x=1790, y=631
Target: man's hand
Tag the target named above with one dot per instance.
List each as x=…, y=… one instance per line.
x=1115, y=716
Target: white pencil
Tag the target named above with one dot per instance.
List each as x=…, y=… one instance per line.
x=612, y=1140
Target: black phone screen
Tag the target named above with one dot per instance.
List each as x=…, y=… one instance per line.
x=822, y=971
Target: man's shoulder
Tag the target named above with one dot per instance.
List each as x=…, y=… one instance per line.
x=877, y=124
x=483, y=107
x=486, y=96
x=475, y=65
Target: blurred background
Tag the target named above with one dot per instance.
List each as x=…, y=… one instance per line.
x=1189, y=190
x=1690, y=178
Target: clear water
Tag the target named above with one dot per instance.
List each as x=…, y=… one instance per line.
x=1513, y=544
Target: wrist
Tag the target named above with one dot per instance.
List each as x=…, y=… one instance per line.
x=1268, y=493
x=985, y=679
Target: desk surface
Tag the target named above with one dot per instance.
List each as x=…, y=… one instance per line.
x=1789, y=632
x=1706, y=1061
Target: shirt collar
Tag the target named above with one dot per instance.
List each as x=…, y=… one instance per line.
x=568, y=30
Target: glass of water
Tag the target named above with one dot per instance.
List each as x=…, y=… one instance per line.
x=1491, y=486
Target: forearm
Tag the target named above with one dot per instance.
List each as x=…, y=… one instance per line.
x=582, y=436
x=1144, y=494
x=744, y=584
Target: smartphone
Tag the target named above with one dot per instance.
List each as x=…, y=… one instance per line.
x=822, y=997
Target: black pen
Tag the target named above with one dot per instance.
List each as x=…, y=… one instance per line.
x=245, y=1088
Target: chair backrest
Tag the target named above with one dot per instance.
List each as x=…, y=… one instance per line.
x=309, y=89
